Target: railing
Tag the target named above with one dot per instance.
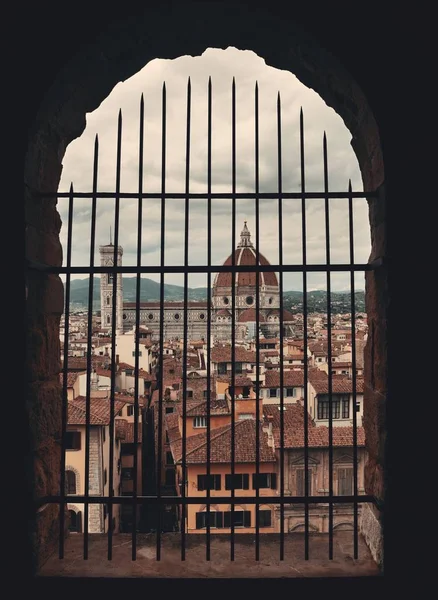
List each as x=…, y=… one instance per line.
x=158, y=500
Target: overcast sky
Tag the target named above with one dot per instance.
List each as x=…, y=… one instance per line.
x=221, y=65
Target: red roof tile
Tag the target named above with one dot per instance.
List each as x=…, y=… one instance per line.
x=99, y=410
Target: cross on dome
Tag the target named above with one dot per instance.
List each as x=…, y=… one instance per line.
x=245, y=237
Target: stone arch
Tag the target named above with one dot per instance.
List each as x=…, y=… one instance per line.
x=77, y=475
x=118, y=52
x=344, y=526
x=301, y=527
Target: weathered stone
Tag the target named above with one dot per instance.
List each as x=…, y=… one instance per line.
x=43, y=247
x=43, y=349
x=44, y=407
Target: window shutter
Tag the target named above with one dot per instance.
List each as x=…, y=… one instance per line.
x=273, y=481
x=349, y=482
x=217, y=482
x=219, y=519
x=265, y=518
x=228, y=482
x=201, y=483
x=199, y=520
x=278, y=392
x=227, y=518
x=245, y=478
x=246, y=518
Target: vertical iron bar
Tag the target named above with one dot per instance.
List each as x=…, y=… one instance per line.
x=160, y=398
x=233, y=300
x=306, y=373
x=89, y=350
x=280, y=262
x=353, y=361
x=329, y=346
x=257, y=278
x=113, y=336
x=137, y=330
x=208, y=311
x=186, y=263
x=65, y=374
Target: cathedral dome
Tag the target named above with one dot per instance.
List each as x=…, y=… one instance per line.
x=245, y=255
x=249, y=316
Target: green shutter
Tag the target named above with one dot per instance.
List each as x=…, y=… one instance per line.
x=219, y=519
x=200, y=520
x=273, y=481
x=217, y=482
x=227, y=519
x=246, y=518
x=201, y=483
x=228, y=482
x=245, y=481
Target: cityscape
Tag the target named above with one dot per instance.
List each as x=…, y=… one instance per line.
x=223, y=414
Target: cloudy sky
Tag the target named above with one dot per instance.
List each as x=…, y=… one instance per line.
x=221, y=65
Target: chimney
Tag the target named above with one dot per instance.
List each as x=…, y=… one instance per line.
x=267, y=428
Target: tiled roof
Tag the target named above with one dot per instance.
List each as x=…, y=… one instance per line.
x=287, y=315
x=246, y=257
x=250, y=316
x=123, y=366
x=340, y=384
x=129, y=436
x=71, y=377
x=220, y=445
x=223, y=354
x=317, y=436
x=290, y=378
x=218, y=406
x=99, y=410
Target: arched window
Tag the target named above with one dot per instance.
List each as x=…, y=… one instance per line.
x=75, y=521
x=70, y=482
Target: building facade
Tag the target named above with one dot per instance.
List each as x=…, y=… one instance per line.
x=221, y=307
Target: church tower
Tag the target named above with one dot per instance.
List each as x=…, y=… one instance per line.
x=106, y=289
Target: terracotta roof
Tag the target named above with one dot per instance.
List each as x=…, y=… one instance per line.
x=123, y=366
x=129, y=433
x=245, y=256
x=293, y=418
x=250, y=315
x=99, y=410
x=223, y=354
x=290, y=378
x=71, y=377
x=340, y=384
x=223, y=312
x=220, y=445
x=218, y=406
x=287, y=315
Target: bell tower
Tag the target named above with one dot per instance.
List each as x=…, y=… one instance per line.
x=106, y=289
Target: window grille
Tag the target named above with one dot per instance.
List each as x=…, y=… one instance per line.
x=329, y=409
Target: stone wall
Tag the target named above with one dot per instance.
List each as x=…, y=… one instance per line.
x=117, y=51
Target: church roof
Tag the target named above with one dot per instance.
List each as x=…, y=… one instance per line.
x=245, y=255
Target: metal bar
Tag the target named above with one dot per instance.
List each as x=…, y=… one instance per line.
x=233, y=302
x=160, y=398
x=280, y=262
x=184, y=372
x=208, y=312
x=361, y=499
x=137, y=330
x=214, y=196
x=64, y=416
x=305, y=333
x=353, y=362
x=289, y=268
x=257, y=249
x=113, y=336
x=329, y=346
x=89, y=350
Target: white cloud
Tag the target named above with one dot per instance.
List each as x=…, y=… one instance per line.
x=221, y=65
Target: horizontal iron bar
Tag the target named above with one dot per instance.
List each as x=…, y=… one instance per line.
x=35, y=266
x=362, y=499
x=214, y=195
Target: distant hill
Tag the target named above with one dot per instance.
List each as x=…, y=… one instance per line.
x=150, y=291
